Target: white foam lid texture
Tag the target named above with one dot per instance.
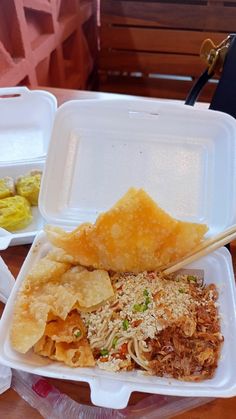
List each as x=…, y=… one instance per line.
x=183, y=157
x=25, y=124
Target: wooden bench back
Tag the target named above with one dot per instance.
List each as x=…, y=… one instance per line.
x=152, y=48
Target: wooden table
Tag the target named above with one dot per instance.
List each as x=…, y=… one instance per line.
x=12, y=406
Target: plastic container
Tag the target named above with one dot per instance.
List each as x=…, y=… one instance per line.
x=51, y=403
x=185, y=159
x=25, y=130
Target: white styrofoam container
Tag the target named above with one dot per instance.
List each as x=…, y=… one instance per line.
x=25, y=130
x=6, y=284
x=185, y=159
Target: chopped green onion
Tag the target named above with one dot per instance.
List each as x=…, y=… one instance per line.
x=140, y=307
x=114, y=342
x=191, y=278
x=125, y=324
x=145, y=293
x=182, y=290
x=104, y=352
x=77, y=333
x=147, y=301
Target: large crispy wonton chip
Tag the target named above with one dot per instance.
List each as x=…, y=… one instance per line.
x=135, y=235
x=34, y=301
x=91, y=288
x=38, y=299
x=59, y=255
x=46, y=270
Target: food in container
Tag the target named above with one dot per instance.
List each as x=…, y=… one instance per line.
x=28, y=186
x=15, y=213
x=7, y=187
x=17, y=198
x=95, y=299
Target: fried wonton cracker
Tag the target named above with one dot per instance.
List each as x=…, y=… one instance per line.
x=71, y=329
x=34, y=302
x=134, y=235
x=91, y=288
x=45, y=347
x=59, y=255
x=65, y=287
x=65, y=340
x=46, y=270
x=77, y=354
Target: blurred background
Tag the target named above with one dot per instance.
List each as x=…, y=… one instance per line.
x=148, y=48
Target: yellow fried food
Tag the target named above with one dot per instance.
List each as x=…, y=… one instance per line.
x=90, y=288
x=15, y=213
x=51, y=290
x=28, y=186
x=7, y=187
x=77, y=354
x=65, y=340
x=59, y=255
x=71, y=329
x=34, y=302
x=135, y=235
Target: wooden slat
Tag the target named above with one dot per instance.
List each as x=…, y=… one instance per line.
x=86, y=10
x=172, y=89
x=40, y=5
x=132, y=61
x=213, y=17
x=161, y=40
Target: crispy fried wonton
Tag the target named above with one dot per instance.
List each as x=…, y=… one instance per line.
x=65, y=340
x=134, y=235
x=53, y=289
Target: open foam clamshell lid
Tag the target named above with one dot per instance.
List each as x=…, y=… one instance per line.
x=182, y=156
x=25, y=124
x=25, y=130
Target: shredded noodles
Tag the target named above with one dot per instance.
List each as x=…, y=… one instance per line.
x=164, y=326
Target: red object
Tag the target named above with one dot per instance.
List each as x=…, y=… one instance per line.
x=42, y=388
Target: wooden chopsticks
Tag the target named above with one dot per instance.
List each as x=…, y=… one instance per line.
x=204, y=249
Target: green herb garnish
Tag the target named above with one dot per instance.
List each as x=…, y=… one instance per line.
x=139, y=307
x=147, y=301
x=104, y=352
x=77, y=333
x=125, y=324
x=191, y=278
x=143, y=306
x=182, y=290
x=114, y=342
